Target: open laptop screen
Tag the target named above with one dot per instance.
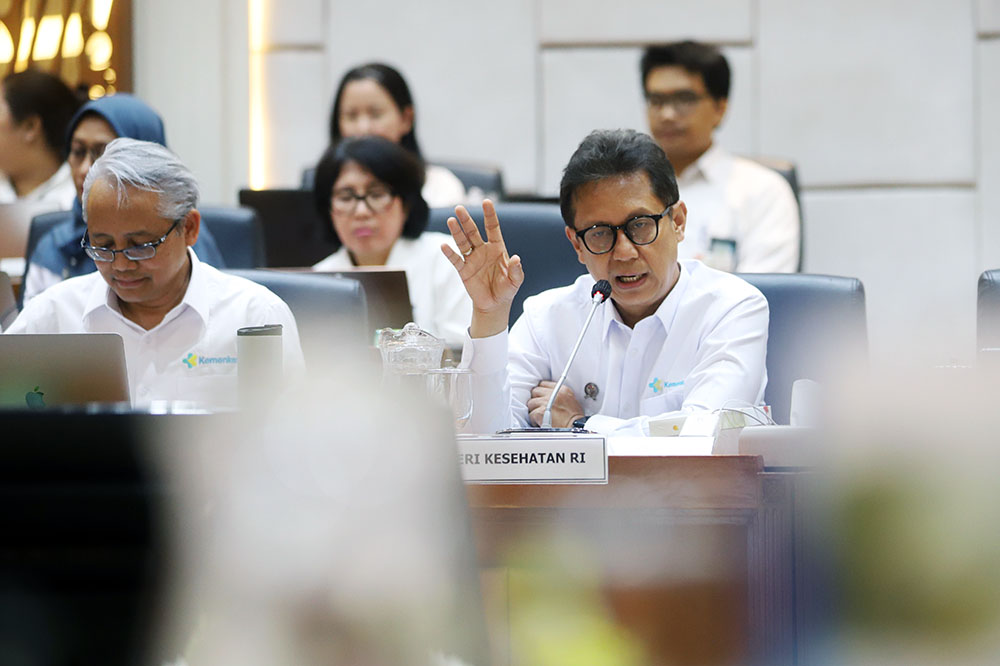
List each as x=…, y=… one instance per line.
x=49, y=370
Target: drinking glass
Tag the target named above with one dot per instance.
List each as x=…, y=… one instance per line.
x=453, y=388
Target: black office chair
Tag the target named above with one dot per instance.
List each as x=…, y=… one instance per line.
x=238, y=233
x=486, y=177
x=8, y=303
x=534, y=231
x=236, y=230
x=988, y=312
x=818, y=326
x=331, y=312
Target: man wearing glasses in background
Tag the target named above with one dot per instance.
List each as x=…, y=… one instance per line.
x=744, y=216
x=178, y=317
x=676, y=336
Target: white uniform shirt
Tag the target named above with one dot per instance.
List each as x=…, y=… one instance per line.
x=730, y=198
x=442, y=188
x=191, y=354
x=703, y=347
x=441, y=306
x=57, y=193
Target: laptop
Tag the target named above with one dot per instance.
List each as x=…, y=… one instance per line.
x=387, y=293
x=58, y=369
x=293, y=230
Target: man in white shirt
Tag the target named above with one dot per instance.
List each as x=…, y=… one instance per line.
x=177, y=316
x=675, y=337
x=744, y=216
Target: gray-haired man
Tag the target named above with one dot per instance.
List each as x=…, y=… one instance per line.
x=177, y=316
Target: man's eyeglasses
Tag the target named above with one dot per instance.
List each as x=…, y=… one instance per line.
x=134, y=253
x=682, y=102
x=641, y=230
x=79, y=153
x=377, y=200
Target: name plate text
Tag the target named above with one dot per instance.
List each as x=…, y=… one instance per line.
x=533, y=458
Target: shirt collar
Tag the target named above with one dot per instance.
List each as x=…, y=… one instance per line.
x=707, y=167
x=101, y=297
x=664, y=314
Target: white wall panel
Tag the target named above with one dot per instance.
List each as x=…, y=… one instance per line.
x=592, y=88
x=869, y=91
x=989, y=153
x=191, y=66
x=988, y=17
x=914, y=251
x=294, y=23
x=295, y=114
x=640, y=21
x=472, y=69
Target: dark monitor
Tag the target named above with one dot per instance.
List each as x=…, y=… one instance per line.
x=79, y=552
x=294, y=233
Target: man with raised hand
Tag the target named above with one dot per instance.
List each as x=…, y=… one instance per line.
x=675, y=337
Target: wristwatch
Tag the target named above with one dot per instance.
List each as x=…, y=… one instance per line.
x=581, y=423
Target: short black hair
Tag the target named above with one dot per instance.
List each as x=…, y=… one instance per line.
x=697, y=58
x=36, y=93
x=606, y=153
x=400, y=170
x=393, y=82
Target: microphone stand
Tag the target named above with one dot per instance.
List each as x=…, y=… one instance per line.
x=599, y=294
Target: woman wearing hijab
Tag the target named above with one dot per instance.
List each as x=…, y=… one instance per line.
x=59, y=254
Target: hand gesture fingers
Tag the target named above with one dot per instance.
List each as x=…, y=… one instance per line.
x=490, y=275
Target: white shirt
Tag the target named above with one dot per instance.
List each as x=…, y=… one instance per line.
x=57, y=193
x=730, y=198
x=442, y=188
x=441, y=306
x=703, y=347
x=190, y=355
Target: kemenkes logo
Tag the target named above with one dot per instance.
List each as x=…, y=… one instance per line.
x=193, y=360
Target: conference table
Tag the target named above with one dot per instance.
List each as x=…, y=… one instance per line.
x=694, y=556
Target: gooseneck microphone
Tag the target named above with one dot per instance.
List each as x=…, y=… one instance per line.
x=599, y=294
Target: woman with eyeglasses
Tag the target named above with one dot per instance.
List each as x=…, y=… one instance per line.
x=35, y=108
x=369, y=188
x=373, y=99
x=59, y=254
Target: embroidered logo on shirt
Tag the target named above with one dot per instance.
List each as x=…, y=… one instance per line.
x=658, y=384
x=591, y=390
x=192, y=360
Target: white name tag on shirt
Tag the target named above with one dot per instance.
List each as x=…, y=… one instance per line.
x=533, y=458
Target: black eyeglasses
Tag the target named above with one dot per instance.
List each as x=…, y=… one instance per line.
x=641, y=230
x=682, y=102
x=134, y=253
x=377, y=200
x=79, y=152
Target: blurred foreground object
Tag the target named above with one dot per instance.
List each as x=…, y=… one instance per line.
x=329, y=529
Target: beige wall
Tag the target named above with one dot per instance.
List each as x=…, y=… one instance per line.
x=884, y=104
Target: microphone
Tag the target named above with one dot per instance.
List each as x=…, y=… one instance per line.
x=599, y=294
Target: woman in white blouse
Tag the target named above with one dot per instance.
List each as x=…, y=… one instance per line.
x=370, y=188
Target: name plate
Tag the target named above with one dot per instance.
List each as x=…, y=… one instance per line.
x=533, y=458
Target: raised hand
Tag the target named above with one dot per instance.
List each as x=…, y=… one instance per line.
x=489, y=274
